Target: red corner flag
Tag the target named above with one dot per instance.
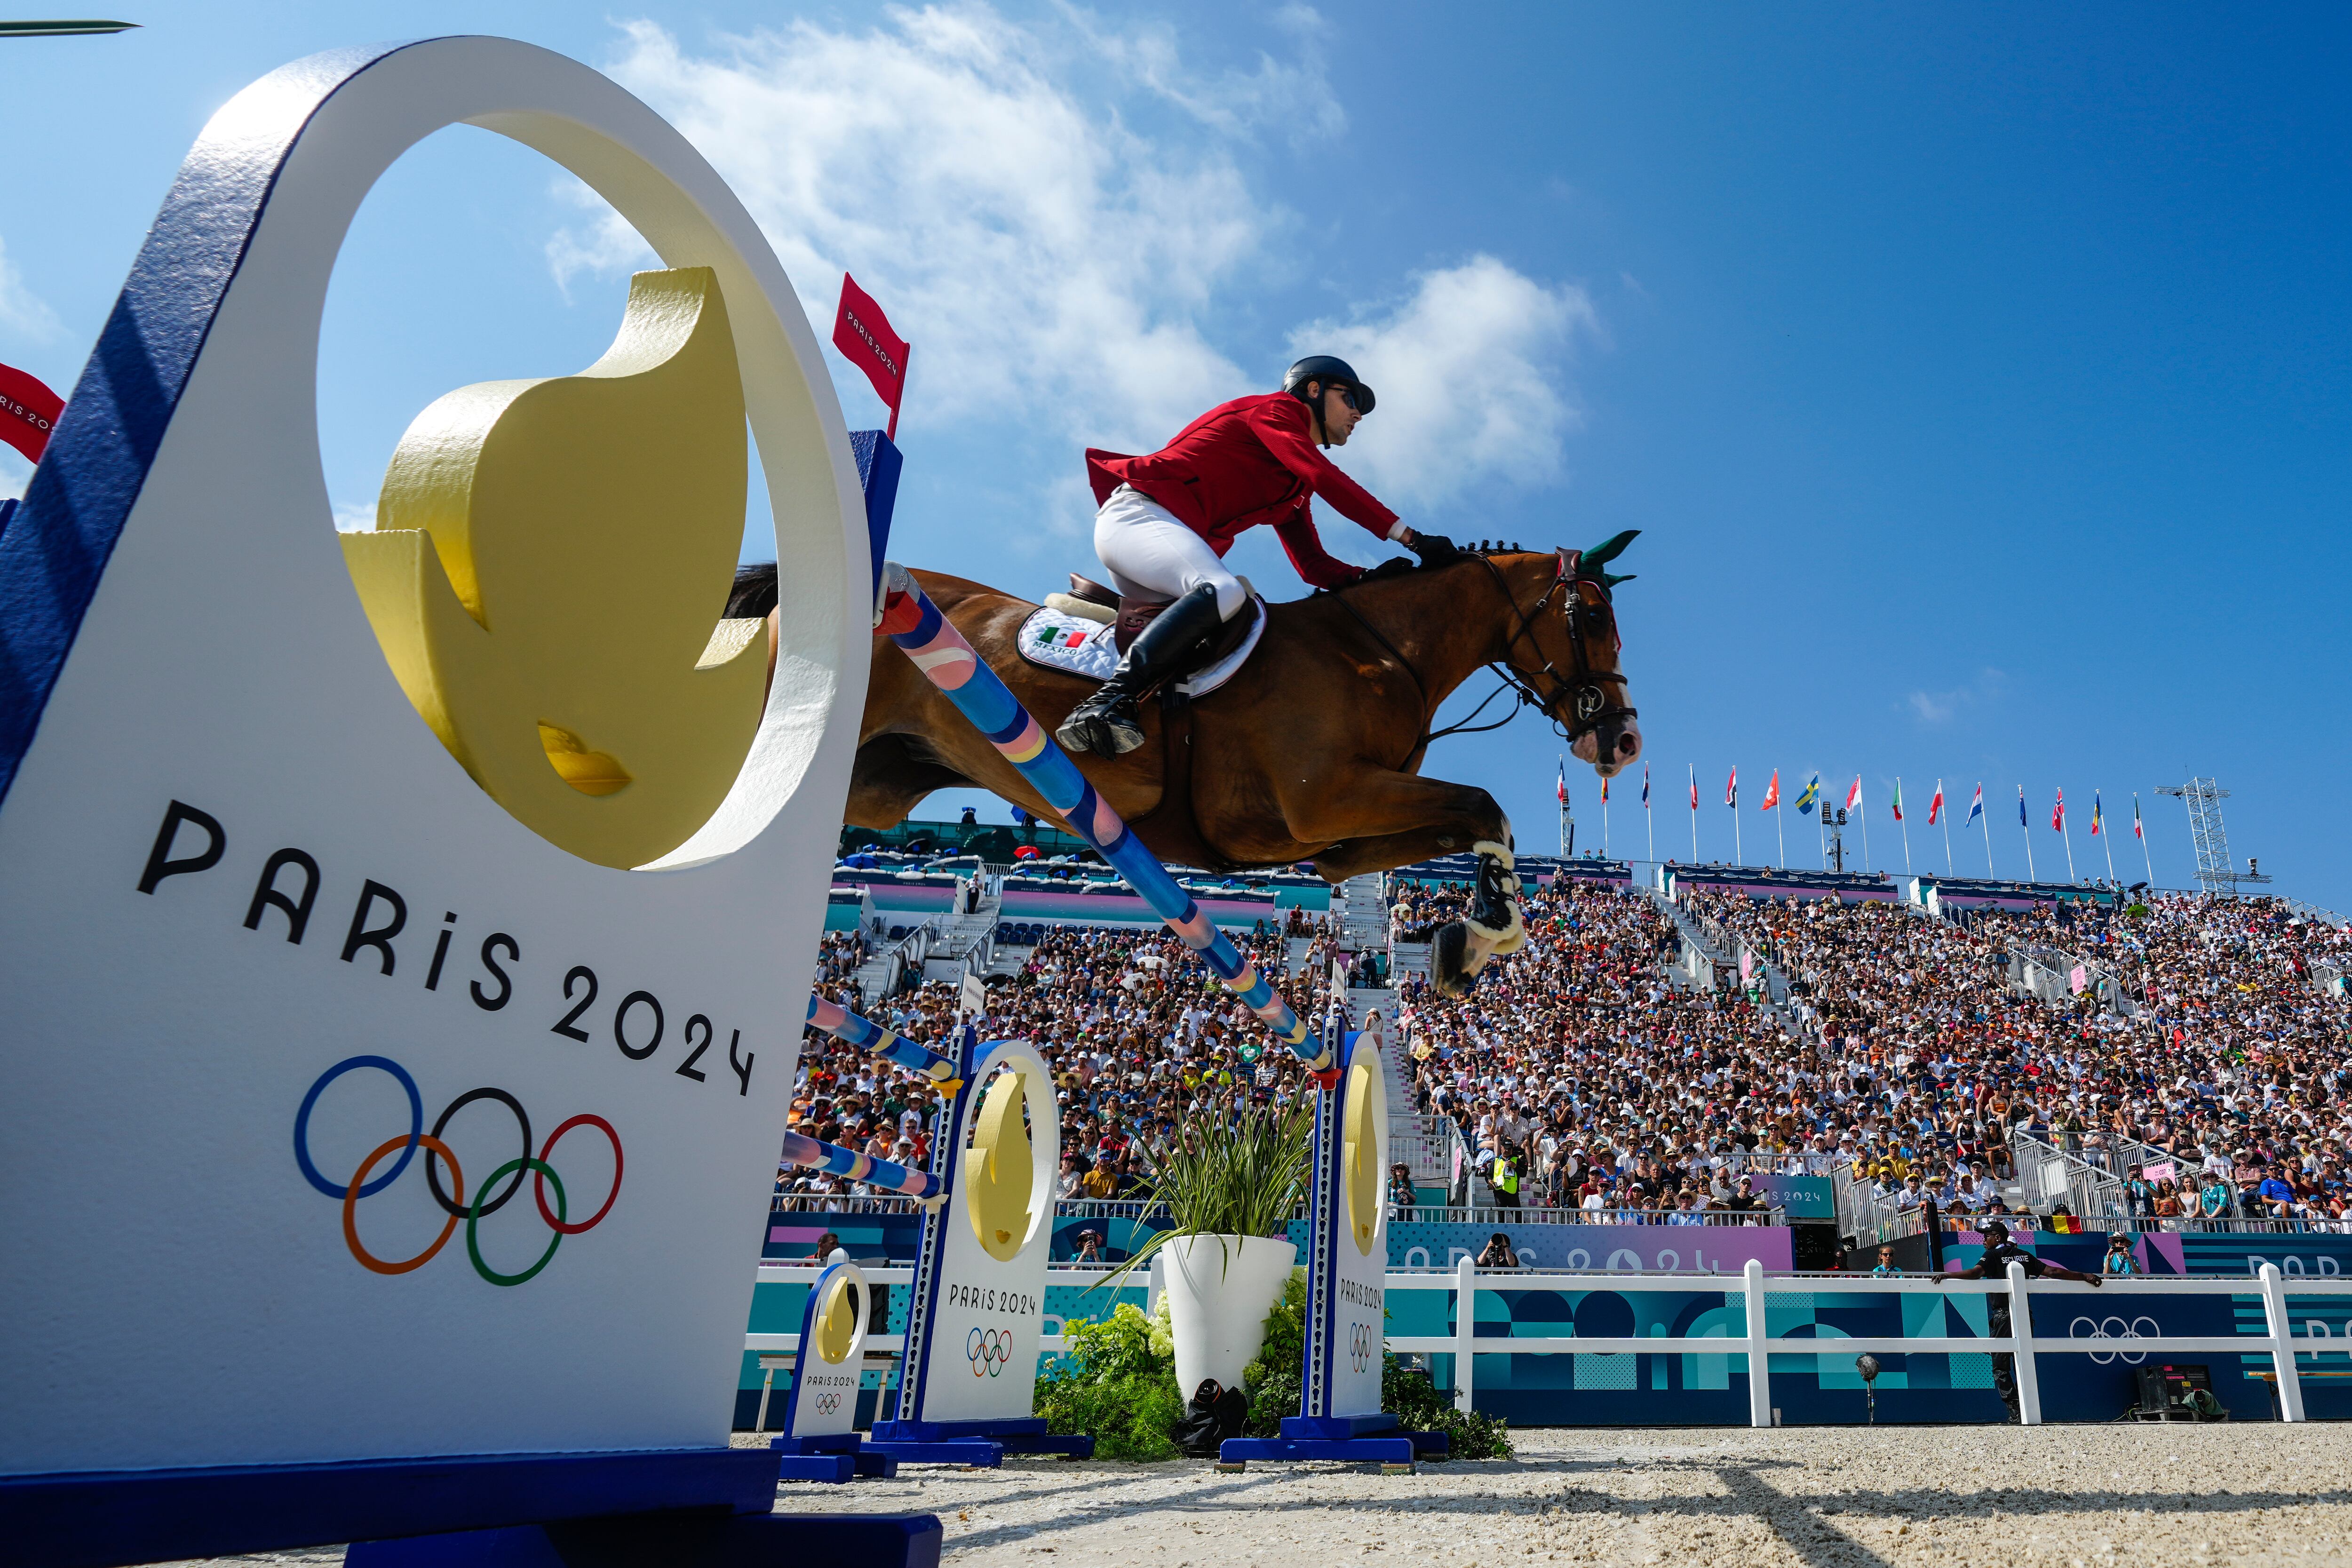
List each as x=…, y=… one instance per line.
x=862, y=331
x=28, y=412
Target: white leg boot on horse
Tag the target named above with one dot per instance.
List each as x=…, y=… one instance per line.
x=1459, y=949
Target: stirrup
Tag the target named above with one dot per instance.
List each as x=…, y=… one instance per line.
x=1104, y=729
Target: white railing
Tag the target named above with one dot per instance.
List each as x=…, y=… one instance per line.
x=1752, y=1286
x=1500, y=1215
x=1465, y=1280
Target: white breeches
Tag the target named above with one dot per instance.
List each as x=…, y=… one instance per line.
x=1151, y=555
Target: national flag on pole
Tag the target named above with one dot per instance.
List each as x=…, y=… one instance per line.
x=2058, y=813
x=862, y=333
x=2138, y=831
x=2022, y=820
x=1810, y=794
x=1646, y=787
x=1898, y=800
x=1771, y=791
x=1563, y=783
x=1731, y=790
x=1694, y=783
x=2098, y=816
x=1604, y=792
x=1853, y=795
x=28, y=412
x=1976, y=807
x=1936, y=806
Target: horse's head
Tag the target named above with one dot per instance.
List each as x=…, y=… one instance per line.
x=1563, y=645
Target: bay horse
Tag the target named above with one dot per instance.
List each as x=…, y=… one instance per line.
x=1312, y=751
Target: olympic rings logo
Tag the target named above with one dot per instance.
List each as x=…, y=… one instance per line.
x=828, y=1401
x=453, y=1202
x=989, y=1350
x=2115, y=1328
x=1360, y=1346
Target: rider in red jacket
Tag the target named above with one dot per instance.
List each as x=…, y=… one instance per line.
x=1167, y=521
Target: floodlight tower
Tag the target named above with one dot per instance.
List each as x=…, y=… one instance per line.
x=2216, y=872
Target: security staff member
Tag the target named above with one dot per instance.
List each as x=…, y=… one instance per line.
x=1999, y=1251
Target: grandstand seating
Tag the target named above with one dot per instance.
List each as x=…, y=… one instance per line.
x=1642, y=1052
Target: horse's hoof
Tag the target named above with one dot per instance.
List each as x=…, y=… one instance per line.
x=1449, y=976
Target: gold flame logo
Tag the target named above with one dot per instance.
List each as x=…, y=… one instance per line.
x=1365, y=1120
x=1000, y=1171
x=836, y=1328
x=547, y=572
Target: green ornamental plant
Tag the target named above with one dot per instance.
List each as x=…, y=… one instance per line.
x=1241, y=1179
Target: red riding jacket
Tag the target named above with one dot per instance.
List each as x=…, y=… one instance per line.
x=1243, y=463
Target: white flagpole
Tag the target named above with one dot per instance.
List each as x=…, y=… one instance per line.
x=1780, y=835
x=2106, y=833
x=1985, y=819
x=2066, y=832
x=1693, y=800
x=1604, y=819
x=1563, y=808
x=1739, y=855
x=1649, y=823
x=1904, y=823
x=1944, y=816
x=2025, y=826
x=1862, y=814
x=2139, y=831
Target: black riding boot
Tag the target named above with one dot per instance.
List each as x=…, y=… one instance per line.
x=1174, y=646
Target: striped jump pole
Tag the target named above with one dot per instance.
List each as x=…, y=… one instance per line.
x=941, y=652
x=816, y=1154
x=875, y=1040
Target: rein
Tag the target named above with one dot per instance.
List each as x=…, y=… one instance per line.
x=1592, y=708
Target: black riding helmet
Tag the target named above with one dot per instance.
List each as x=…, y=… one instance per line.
x=1331, y=371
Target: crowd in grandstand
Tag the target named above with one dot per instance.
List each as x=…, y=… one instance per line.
x=2202, y=1058
x=1139, y=1036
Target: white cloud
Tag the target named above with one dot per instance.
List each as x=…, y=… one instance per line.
x=21, y=310
x=1939, y=707
x=1057, y=265
x=1048, y=261
x=1295, y=97
x=354, y=517
x=14, y=475
x=1470, y=373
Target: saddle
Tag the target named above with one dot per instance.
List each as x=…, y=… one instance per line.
x=1066, y=635
x=1127, y=617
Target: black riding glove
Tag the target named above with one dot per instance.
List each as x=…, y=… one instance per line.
x=1435, y=549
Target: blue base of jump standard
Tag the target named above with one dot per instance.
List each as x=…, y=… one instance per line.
x=979, y=1443
x=673, y=1540
x=690, y=1507
x=836, y=1457
x=1349, y=1439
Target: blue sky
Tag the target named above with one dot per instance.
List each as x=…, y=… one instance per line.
x=1978, y=375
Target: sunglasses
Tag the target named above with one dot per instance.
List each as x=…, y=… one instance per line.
x=1347, y=396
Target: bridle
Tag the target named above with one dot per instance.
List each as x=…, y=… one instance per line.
x=1582, y=689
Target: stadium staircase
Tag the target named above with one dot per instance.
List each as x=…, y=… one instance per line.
x=967, y=937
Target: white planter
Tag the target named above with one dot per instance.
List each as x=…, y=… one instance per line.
x=1220, y=1289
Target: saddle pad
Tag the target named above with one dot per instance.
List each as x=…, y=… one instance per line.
x=1075, y=646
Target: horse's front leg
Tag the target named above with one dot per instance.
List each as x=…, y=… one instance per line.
x=1380, y=819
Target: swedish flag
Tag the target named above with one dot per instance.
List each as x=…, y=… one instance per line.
x=1812, y=792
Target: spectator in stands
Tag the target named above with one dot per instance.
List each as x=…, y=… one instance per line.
x=1401, y=1195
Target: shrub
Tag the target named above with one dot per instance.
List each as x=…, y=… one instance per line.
x=1118, y=1384
x=1275, y=1388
